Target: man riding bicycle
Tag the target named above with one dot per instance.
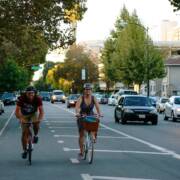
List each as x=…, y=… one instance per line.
x=84, y=106
x=29, y=108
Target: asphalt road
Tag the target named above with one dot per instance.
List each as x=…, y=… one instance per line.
x=134, y=151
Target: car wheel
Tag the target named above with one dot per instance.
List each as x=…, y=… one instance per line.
x=155, y=122
x=52, y=102
x=123, y=121
x=173, y=118
x=115, y=117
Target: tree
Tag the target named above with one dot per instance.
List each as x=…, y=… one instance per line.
x=176, y=4
x=70, y=71
x=12, y=76
x=53, y=19
x=132, y=57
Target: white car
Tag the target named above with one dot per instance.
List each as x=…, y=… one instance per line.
x=112, y=100
x=172, y=108
x=1, y=107
x=160, y=105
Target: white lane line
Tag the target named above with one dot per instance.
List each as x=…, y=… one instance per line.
x=88, y=177
x=75, y=136
x=119, y=151
x=60, y=121
x=6, y=124
x=163, y=150
x=74, y=161
x=60, y=142
x=53, y=131
x=159, y=148
x=62, y=127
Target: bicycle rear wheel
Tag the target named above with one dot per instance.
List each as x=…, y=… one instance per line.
x=90, y=151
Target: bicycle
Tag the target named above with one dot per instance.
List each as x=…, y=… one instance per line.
x=30, y=142
x=90, y=124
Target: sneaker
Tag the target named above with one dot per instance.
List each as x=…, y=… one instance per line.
x=35, y=140
x=24, y=155
x=80, y=156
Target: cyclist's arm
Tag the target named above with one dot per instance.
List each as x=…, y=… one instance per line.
x=78, y=106
x=19, y=114
x=41, y=113
x=97, y=106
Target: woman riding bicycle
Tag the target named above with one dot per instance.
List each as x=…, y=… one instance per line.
x=84, y=106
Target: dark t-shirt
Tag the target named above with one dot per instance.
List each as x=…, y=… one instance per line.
x=29, y=107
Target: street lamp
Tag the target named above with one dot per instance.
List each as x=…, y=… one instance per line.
x=123, y=23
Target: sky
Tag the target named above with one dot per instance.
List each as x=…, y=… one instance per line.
x=101, y=15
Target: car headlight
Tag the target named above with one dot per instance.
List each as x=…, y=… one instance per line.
x=128, y=111
x=154, y=111
x=53, y=97
x=71, y=102
x=178, y=109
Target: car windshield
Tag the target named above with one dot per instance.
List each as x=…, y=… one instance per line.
x=58, y=93
x=177, y=101
x=74, y=97
x=137, y=101
x=8, y=95
x=164, y=100
x=44, y=94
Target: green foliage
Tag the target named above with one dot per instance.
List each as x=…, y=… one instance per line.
x=12, y=76
x=45, y=16
x=129, y=55
x=176, y=4
x=76, y=60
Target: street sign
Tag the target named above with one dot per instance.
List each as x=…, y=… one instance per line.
x=36, y=67
x=83, y=74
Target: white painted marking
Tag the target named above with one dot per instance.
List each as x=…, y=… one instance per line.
x=62, y=127
x=119, y=151
x=53, y=131
x=74, y=161
x=163, y=150
x=60, y=142
x=47, y=124
x=88, y=177
x=60, y=121
x=75, y=136
x=6, y=124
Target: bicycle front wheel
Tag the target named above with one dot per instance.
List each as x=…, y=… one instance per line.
x=90, y=152
x=29, y=153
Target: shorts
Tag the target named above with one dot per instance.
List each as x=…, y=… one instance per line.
x=29, y=118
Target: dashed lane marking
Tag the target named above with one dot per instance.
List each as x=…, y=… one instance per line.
x=53, y=131
x=60, y=142
x=74, y=161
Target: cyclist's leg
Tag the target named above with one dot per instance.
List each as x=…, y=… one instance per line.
x=25, y=134
x=36, y=125
x=81, y=135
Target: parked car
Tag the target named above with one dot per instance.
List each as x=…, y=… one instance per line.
x=9, y=98
x=45, y=95
x=172, y=108
x=1, y=107
x=58, y=96
x=125, y=92
x=135, y=108
x=103, y=99
x=72, y=99
x=112, y=100
x=160, y=106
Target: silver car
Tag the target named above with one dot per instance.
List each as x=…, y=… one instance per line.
x=160, y=105
x=1, y=107
x=172, y=108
